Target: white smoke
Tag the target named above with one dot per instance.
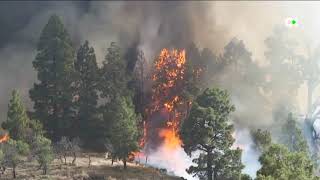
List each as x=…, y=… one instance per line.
x=250, y=155
x=175, y=161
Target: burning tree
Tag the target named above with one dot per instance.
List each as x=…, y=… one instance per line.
x=170, y=102
x=17, y=119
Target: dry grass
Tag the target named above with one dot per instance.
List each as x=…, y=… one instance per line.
x=100, y=169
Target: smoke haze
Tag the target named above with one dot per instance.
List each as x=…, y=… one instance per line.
x=153, y=26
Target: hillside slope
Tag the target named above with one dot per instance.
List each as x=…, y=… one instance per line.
x=100, y=169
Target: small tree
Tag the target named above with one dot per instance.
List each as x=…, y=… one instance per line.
x=34, y=130
x=17, y=119
x=110, y=150
x=43, y=152
x=279, y=163
x=2, y=166
x=13, y=154
x=75, y=148
x=124, y=134
x=208, y=132
x=292, y=136
x=62, y=148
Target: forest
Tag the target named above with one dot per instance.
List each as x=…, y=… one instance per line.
x=188, y=110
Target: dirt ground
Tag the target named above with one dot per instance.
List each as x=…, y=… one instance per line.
x=100, y=169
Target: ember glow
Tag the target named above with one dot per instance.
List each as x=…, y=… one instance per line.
x=4, y=138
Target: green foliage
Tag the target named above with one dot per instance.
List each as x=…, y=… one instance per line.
x=281, y=164
x=261, y=139
x=208, y=131
x=43, y=152
x=36, y=127
x=292, y=136
x=14, y=151
x=113, y=84
x=17, y=119
x=245, y=177
x=124, y=134
x=114, y=78
x=53, y=93
x=87, y=127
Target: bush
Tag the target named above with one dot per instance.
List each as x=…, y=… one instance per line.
x=43, y=152
x=68, y=147
x=13, y=154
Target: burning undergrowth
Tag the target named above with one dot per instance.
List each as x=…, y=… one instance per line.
x=4, y=138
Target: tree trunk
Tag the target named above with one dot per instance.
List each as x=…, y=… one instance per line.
x=61, y=159
x=65, y=159
x=209, y=167
x=89, y=161
x=74, y=158
x=215, y=175
x=14, y=172
x=44, y=169
x=124, y=163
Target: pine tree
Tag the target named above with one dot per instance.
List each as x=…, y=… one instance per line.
x=292, y=136
x=208, y=132
x=113, y=82
x=43, y=152
x=14, y=153
x=53, y=93
x=114, y=77
x=17, y=119
x=279, y=163
x=124, y=134
x=86, y=88
x=262, y=139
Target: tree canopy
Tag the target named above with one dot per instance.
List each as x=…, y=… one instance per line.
x=279, y=163
x=207, y=131
x=54, y=92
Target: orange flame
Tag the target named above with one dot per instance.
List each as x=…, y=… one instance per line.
x=168, y=78
x=4, y=138
x=171, y=139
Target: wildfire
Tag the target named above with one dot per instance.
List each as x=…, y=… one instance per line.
x=168, y=83
x=169, y=105
x=4, y=138
x=171, y=139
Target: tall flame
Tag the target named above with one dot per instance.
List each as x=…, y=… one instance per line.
x=168, y=83
x=169, y=106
